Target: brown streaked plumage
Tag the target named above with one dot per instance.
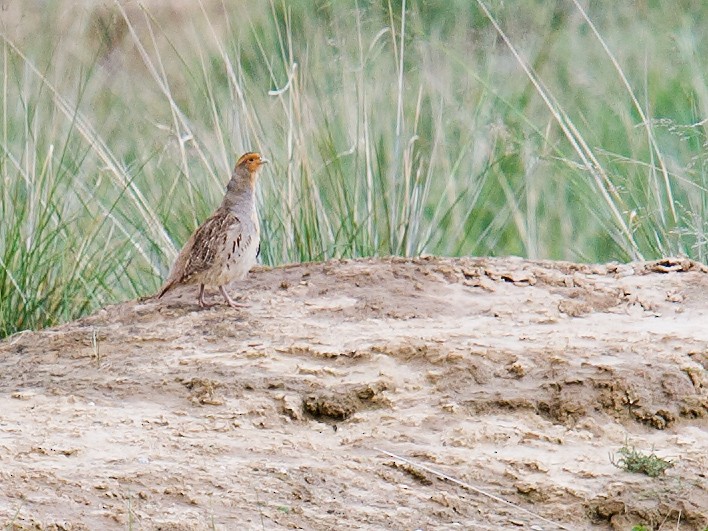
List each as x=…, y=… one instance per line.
x=225, y=246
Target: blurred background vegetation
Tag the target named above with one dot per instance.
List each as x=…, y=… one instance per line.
x=563, y=129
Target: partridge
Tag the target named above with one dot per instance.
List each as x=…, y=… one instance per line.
x=225, y=246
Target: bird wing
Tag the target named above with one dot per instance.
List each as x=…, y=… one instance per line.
x=208, y=240
x=199, y=253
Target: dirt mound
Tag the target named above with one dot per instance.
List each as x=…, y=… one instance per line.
x=516, y=378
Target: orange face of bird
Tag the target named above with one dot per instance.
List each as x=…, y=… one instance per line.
x=251, y=161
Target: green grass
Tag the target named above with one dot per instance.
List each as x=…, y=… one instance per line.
x=439, y=127
x=632, y=460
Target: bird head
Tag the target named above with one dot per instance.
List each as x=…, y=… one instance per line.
x=243, y=179
x=251, y=162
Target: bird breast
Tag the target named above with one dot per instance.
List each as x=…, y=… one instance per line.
x=238, y=254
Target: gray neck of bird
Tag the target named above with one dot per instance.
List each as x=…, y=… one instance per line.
x=240, y=194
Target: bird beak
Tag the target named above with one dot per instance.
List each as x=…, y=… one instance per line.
x=264, y=161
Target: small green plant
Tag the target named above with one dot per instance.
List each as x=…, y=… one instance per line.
x=640, y=527
x=632, y=460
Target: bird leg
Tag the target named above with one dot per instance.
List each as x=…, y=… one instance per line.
x=202, y=304
x=229, y=300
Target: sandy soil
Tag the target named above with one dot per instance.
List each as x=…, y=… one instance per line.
x=514, y=377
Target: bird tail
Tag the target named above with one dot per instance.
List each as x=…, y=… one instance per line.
x=167, y=287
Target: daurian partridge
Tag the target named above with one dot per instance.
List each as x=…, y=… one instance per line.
x=225, y=246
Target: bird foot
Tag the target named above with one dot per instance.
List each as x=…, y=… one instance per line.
x=229, y=300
